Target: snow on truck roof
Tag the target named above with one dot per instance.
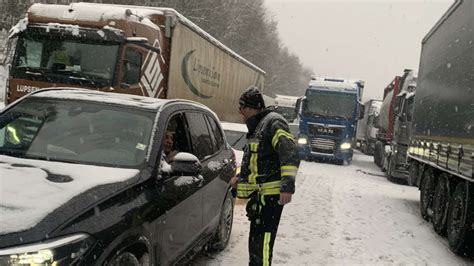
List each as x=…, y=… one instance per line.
x=339, y=84
x=286, y=97
x=96, y=12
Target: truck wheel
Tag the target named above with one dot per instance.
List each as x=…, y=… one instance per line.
x=385, y=162
x=426, y=194
x=413, y=173
x=440, y=205
x=377, y=151
x=390, y=168
x=363, y=148
x=460, y=233
x=222, y=234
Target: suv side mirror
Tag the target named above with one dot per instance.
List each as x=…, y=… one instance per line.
x=185, y=164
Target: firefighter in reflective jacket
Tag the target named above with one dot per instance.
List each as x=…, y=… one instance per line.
x=268, y=172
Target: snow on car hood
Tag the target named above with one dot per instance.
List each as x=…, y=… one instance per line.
x=31, y=189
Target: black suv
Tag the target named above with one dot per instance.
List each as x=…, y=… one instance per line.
x=86, y=179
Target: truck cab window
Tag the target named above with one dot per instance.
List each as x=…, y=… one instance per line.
x=26, y=57
x=131, y=66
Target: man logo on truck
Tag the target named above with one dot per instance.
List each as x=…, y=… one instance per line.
x=325, y=130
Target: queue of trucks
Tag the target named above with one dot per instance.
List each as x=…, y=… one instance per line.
x=441, y=147
x=426, y=128
x=394, y=125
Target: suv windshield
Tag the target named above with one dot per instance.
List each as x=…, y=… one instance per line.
x=52, y=56
x=330, y=104
x=76, y=131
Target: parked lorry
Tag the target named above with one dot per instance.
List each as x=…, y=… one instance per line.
x=366, y=130
x=441, y=152
x=395, y=121
x=138, y=50
x=328, y=119
x=286, y=106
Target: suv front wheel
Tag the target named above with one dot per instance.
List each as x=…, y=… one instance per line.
x=222, y=235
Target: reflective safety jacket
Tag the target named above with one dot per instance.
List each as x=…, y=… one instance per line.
x=270, y=160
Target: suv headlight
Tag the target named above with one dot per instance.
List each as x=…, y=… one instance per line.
x=59, y=251
x=345, y=146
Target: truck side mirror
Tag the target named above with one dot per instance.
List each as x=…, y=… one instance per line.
x=361, y=111
x=298, y=106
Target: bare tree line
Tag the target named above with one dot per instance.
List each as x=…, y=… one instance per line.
x=243, y=25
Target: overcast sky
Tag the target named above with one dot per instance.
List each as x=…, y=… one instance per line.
x=370, y=40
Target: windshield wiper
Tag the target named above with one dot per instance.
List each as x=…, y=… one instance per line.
x=30, y=70
x=313, y=113
x=338, y=117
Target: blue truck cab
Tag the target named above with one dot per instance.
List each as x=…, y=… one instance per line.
x=328, y=115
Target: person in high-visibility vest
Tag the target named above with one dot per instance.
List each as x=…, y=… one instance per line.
x=268, y=171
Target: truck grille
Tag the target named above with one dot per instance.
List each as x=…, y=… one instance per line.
x=323, y=145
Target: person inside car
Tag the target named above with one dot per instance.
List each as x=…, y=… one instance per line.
x=168, y=151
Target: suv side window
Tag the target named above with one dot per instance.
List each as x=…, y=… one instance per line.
x=177, y=127
x=200, y=139
x=217, y=133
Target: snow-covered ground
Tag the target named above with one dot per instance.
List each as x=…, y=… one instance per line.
x=346, y=215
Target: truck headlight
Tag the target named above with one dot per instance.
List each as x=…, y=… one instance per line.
x=346, y=146
x=59, y=251
x=302, y=141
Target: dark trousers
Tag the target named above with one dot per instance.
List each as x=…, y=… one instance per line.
x=264, y=214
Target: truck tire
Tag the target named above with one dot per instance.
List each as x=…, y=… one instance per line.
x=413, y=173
x=426, y=194
x=363, y=147
x=390, y=168
x=440, y=205
x=385, y=162
x=460, y=233
x=377, y=153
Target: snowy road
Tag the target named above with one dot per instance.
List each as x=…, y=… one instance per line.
x=346, y=215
